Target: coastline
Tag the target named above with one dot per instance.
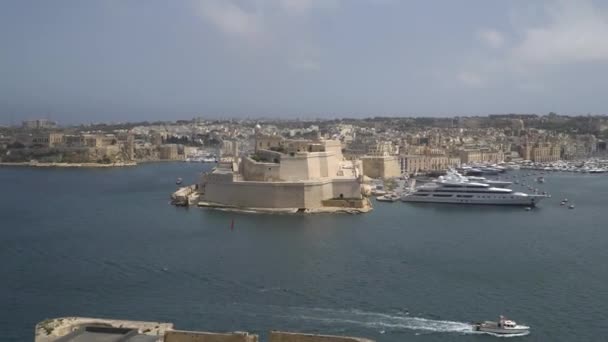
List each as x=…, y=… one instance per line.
x=68, y=165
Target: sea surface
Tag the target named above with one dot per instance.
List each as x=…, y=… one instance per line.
x=106, y=243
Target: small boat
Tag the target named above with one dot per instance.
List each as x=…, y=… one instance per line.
x=540, y=179
x=378, y=192
x=178, y=181
x=390, y=197
x=571, y=206
x=562, y=203
x=502, y=327
x=565, y=200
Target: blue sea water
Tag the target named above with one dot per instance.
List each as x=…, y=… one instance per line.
x=106, y=243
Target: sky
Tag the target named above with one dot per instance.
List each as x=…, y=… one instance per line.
x=80, y=61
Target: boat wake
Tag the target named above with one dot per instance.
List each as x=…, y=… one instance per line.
x=381, y=321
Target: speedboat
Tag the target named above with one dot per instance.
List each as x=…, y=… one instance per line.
x=178, y=181
x=502, y=327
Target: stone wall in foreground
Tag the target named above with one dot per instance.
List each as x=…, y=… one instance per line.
x=66, y=329
x=282, y=336
x=203, y=336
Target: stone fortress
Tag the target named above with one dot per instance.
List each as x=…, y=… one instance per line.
x=290, y=175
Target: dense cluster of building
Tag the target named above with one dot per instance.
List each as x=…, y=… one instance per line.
x=385, y=147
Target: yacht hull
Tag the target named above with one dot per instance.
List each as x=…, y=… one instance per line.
x=529, y=201
x=493, y=328
x=504, y=332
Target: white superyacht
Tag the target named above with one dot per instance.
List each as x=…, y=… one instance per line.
x=456, y=189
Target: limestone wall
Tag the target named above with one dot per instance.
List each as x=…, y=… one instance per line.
x=51, y=330
x=334, y=146
x=313, y=162
x=347, y=188
x=64, y=328
x=314, y=194
x=254, y=171
x=267, y=141
x=294, y=168
x=303, y=166
x=324, y=168
x=332, y=164
x=277, y=194
x=381, y=167
x=269, y=156
x=345, y=203
x=200, y=336
x=256, y=194
x=279, y=336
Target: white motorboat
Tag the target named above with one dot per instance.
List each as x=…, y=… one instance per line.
x=378, y=192
x=502, y=327
x=209, y=159
x=389, y=197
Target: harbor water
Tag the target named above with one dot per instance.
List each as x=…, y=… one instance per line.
x=106, y=243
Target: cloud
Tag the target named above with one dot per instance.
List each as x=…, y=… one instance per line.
x=305, y=65
x=303, y=6
x=280, y=29
x=469, y=78
x=531, y=87
x=231, y=19
x=305, y=57
x=576, y=32
x=561, y=33
x=491, y=38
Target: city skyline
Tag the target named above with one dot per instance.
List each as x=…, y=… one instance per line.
x=122, y=61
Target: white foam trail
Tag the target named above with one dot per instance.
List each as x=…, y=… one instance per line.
x=383, y=321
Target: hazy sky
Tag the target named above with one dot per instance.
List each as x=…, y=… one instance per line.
x=126, y=60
